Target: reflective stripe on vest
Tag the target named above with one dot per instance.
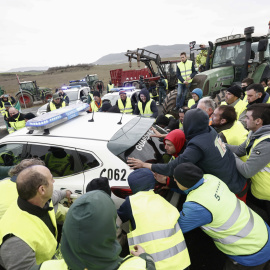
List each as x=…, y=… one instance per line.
x=153, y=235
x=32, y=230
x=191, y=102
x=157, y=231
x=8, y=195
x=133, y=263
x=94, y=106
x=53, y=107
x=128, y=109
x=185, y=69
x=169, y=115
x=167, y=86
x=147, y=110
x=235, y=227
x=260, y=182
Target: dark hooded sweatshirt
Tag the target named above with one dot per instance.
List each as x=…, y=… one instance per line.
x=153, y=105
x=205, y=151
x=89, y=234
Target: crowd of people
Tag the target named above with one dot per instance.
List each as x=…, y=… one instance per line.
x=217, y=158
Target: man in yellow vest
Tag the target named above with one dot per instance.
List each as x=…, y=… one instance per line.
x=28, y=228
x=201, y=58
x=236, y=230
x=6, y=99
x=256, y=149
x=196, y=94
x=15, y=121
x=125, y=104
x=110, y=86
x=153, y=223
x=233, y=98
x=146, y=107
x=96, y=103
x=224, y=121
x=56, y=103
x=185, y=72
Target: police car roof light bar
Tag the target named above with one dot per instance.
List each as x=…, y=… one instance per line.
x=130, y=88
x=56, y=117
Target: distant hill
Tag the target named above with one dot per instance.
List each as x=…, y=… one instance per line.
x=23, y=69
x=162, y=50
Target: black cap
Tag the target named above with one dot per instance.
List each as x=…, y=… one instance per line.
x=29, y=116
x=96, y=94
x=101, y=183
x=187, y=174
x=235, y=90
x=7, y=104
x=106, y=106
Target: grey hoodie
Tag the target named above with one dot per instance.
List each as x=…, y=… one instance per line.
x=259, y=157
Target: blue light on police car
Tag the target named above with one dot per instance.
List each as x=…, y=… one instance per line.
x=56, y=117
x=118, y=89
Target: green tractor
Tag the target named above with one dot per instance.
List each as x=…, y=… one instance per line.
x=30, y=92
x=93, y=82
x=233, y=58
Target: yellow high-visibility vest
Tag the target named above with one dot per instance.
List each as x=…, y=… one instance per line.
x=147, y=110
x=128, y=109
x=186, y=70
x=30, y=229
x=260, y=182
x=53, y=107
x=158, y=231
x=235, y=227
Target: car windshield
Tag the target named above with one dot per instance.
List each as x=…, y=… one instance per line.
x=73, y=95
x=228, y=54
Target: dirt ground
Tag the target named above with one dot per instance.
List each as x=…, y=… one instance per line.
x=62, y=76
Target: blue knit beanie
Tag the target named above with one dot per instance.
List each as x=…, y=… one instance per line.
x=198, y=92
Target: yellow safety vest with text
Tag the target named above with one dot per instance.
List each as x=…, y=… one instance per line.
x=260, y=182
x=158, y=231
x=185, y=69
x=30, y=229
x=128, y=109
x=236, y=135
x=236, y=230
x=16, y=125
x=147, y=110
x=8, y=195
x=53, y=107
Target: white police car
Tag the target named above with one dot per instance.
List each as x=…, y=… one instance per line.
x=113, y=96
x=77, y=150
x=76, y=94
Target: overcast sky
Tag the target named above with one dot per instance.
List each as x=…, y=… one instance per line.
x=65, y=32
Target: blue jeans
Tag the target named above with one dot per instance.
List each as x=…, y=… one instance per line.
x=162, y=95
x=181, y=94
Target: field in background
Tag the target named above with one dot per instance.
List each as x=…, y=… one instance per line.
x=62, y=76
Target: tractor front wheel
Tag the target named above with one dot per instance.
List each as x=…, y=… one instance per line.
x=28, y=100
